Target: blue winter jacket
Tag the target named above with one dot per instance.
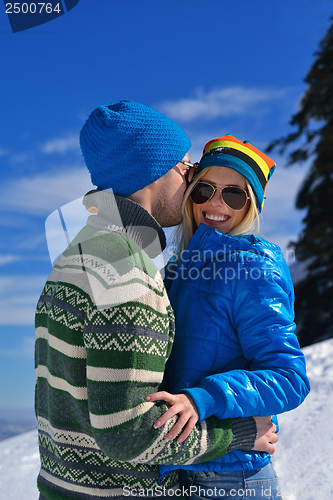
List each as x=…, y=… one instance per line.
x=235, y=351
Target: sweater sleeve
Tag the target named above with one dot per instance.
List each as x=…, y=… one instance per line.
x=276, y=380
x=128, y=334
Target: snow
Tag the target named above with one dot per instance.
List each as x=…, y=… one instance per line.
x=303, y=458
x=19, y=467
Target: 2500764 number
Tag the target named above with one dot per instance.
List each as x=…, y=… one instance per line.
x=304, y=491
x=32, y=8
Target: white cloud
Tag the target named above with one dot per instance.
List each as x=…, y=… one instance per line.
x=32, y=243
x=43, y=193
x=61, y=145
x=25, y=245
x=225, y=102
x=19, y=295
x=8, y=259
x=281, y=221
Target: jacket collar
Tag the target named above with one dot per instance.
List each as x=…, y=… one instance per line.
x=124, y=216
x=207, y=238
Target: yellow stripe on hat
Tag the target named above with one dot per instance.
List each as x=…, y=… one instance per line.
x=243, y=149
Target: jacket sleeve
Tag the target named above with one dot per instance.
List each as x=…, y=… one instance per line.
x=275, y=381
x=127, y=345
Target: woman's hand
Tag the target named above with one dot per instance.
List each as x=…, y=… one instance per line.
x=180, y=404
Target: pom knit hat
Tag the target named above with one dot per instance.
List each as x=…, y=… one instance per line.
x=255, y=166
x=127, y=146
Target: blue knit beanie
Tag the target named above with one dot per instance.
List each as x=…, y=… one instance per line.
x=127, y=146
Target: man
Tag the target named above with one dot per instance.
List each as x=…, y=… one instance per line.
x=105, y=327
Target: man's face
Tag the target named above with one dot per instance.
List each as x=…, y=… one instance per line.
x=168, y=196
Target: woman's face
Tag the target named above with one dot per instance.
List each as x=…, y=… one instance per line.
x=215, y=213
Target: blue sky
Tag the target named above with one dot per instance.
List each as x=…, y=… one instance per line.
x=213, y=66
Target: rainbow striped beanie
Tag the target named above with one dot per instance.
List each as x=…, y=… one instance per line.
x=255, y=166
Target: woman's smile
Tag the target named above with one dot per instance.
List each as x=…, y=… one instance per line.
x=215, y=213
x=215, y=217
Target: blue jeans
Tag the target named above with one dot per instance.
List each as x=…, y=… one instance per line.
x=261, y=484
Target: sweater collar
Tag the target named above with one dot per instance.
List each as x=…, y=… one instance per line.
x=124, y=216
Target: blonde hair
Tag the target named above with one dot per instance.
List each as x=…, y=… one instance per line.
x=187, y=228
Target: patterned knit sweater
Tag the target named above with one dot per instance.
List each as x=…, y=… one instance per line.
x=104, y=330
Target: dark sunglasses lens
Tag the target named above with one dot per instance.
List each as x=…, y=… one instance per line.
x=189, y=176
x=201, y=193
x=234, y=197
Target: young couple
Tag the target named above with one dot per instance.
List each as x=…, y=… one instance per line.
x=105, y=327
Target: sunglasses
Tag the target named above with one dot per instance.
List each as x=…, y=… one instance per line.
x=190, y=172
x=233, y=196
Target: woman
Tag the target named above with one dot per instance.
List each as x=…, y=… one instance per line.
x=235, y=352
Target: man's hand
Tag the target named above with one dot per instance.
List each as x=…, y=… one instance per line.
x=266, y=435
x=180, y=404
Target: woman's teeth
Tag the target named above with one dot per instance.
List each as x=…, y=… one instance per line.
x=218, y=218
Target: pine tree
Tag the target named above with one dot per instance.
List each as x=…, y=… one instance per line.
x=313, y=140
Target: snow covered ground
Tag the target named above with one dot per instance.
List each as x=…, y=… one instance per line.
x=19, y=466
x=303, y=457
x=304, y=454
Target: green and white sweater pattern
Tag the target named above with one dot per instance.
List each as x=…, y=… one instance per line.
x=104, y=330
